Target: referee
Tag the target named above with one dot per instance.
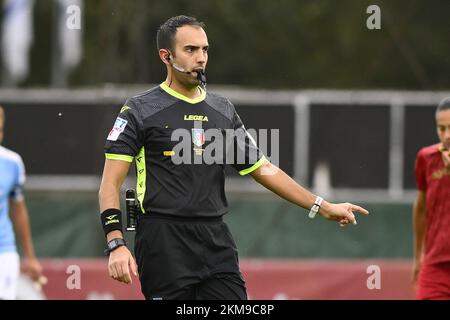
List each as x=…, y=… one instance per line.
x=183, y=249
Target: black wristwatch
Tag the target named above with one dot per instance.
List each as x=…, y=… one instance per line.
x=114, y=244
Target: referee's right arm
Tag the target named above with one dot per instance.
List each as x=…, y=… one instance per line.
x=120, y=260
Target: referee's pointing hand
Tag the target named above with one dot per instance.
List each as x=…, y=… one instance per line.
x=120, y=263
x=341, y=212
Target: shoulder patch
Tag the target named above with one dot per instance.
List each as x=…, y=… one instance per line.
x=119, y=127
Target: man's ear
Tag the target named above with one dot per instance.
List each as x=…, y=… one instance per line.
x=164, y=54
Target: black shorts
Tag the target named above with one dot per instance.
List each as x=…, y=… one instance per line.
x=187, y=258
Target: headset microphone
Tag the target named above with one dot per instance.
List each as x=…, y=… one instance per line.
x=200, y=74
x=180, y=69
x=201, y=77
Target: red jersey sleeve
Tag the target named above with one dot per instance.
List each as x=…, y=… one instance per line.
x=421, y=177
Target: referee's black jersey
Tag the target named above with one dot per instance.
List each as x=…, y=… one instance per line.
x=172, y=180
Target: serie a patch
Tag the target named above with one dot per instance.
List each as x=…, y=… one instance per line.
x=119, y=127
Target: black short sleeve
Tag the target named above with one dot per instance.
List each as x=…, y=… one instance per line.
x=126, y=137
x=247, y=156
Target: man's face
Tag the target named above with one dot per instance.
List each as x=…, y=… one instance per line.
x=191, y=53
x=443, y=127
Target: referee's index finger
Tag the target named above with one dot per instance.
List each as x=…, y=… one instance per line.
x=354, y=207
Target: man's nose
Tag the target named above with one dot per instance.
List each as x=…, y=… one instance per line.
x=201, y=57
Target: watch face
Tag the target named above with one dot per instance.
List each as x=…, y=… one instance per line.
x=112, y=244
x=115, y=243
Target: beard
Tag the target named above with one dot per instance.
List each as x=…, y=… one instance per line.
x=188, y=80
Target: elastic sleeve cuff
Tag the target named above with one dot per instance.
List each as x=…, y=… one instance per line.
x=253, y=167
x=122, y=157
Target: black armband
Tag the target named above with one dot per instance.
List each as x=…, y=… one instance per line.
x=111, y=220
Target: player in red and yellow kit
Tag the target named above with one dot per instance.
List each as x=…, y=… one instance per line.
x=431, y=217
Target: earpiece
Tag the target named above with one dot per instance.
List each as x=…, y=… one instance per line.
x=168, y=56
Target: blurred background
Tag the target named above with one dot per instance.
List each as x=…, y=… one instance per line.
x=353, y=106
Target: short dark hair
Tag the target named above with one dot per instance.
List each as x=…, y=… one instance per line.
x=166, y=32
x=443, y=105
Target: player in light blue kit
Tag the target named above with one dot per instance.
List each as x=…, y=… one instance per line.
x=12, y=204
